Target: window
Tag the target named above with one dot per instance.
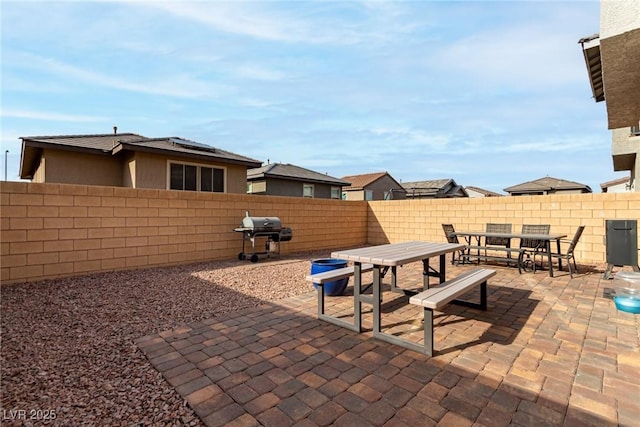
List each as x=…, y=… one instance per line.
x=183, y=177
x=368, y=194
x=189, y=177
x=307, y=190
x=335, y=193
x=212, y=180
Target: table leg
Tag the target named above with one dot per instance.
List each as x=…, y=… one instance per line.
x=559, y=258
x=394, y=280
x=548, y=245
x=357, y=303
x=428, y=271
x=425, y=274
x=377, y=297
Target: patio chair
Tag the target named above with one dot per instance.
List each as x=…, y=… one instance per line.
x=448, y=229
x=568, y=256
x=498, y=241
x=532, y=247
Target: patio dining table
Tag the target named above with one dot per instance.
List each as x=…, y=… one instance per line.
x=546, y=238
x=383, y=258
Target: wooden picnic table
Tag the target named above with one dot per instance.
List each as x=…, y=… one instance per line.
x=383, y=258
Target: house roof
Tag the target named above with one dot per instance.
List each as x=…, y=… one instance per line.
x=434, y=188
x=487, y=193
x=591, y=52
x=292, y=172
x=546, y=184
x=114, y=143
x=359, y=182
x=182, y=146
x=623, y=180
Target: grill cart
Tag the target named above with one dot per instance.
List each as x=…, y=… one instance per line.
x=268, y=229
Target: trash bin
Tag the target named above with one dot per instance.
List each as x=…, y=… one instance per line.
x=321, y=265
x=621, y=243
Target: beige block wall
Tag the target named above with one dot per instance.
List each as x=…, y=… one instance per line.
x=395, y=221
x=55, y=230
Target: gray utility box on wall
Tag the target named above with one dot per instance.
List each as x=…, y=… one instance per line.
x=622, y=244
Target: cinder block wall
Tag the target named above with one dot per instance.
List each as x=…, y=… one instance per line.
x=395, y=221
x=54, y=230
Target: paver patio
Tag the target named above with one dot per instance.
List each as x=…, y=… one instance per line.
x=548, y=351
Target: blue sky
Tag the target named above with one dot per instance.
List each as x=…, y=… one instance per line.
x=491, y=94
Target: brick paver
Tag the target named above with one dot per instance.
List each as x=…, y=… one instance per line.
x=549, y=351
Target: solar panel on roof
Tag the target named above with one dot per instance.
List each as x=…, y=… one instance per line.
x=185, y=143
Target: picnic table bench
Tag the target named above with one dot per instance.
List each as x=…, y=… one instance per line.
x=446, y=292
x=339, y=273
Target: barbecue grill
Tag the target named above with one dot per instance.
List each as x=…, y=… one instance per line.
x=268, y=228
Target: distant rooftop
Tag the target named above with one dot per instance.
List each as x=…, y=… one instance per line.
x=359, y=182
x=288, y=171
x=546, y=185
x=486, y=193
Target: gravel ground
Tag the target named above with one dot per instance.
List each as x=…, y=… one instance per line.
x=67, y=344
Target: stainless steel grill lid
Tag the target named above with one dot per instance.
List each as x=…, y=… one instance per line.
x=261, y=224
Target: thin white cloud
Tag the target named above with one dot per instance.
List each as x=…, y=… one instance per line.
x=312, y=23
x=180, y=85
x=49, y=116
x=259, y=73
x=560, y=144
x=413, y=138
x=238, y=18
x=515, y=58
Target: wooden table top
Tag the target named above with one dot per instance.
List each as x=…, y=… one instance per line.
x=394, y=254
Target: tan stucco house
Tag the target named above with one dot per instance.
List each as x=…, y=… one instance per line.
x=547, y=185
x=283, y=179
x=620, y=185
x=372, y=186
x=134, y=161
x=612, y=58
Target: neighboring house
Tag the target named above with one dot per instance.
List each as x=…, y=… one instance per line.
x=480, y=192
x=434, y=189
x=134, y=161
x=372, y=186
x=621, y=185
x=278, y=179
x=612, y=59
x=547, y=185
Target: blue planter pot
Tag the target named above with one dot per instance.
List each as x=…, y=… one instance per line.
x=321, y=265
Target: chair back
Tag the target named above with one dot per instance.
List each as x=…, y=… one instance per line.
x=498, y=241
x=575, y=239
x=534, y=229
x=448, y=229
